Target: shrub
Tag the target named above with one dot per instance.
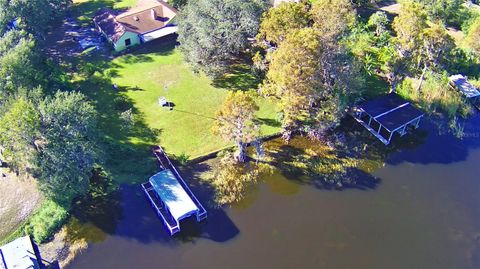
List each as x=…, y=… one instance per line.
x=434, y=95
x=43, y=224
x=121, y=103
x=182, y=158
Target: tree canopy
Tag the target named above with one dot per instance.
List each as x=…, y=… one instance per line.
x=236, y=121
x=70, y=147
x=19, y=127
x=213, y=32
x=279, y=21
x=18, y=63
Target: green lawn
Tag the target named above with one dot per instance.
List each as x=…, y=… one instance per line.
x=141, y=77
x=186, y=128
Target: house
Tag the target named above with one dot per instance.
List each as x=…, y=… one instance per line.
x=149, y=20
x=20, y=254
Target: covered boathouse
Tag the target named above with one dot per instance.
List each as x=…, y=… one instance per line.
x=170, y=196
x=387, y=115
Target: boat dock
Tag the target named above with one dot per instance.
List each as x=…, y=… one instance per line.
x=170, y=196
x=387, y=115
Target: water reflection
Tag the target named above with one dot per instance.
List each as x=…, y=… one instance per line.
x=423, y=213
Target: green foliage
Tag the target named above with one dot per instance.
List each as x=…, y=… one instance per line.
x=18, y=63
x=179, y=4
x=235, y=121
x=128, y=119
x=121, y=103
x=450, y=12
x=300, y=75
x=183, y=158
x=19, y=127
x=409, y=26
x=379, y=21
x=70, y=147
x=277, y=22
x=212, y=32
x=332, y=18
x=31, y=15
x=473, y=36
x=435, y=94
x=44, y=223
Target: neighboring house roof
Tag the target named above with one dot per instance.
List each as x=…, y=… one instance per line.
x=18, y=254
x=147, y=16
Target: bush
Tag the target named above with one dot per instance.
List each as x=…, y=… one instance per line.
x=182, y=158
x=43, y=224
x=434, y=95
x=121, y=103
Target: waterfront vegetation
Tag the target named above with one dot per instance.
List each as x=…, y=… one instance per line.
x=310, y=62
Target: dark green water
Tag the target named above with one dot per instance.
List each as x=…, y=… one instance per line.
x=423, y=212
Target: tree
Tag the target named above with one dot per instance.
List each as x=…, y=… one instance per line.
x=236, y=121
x=380, y=21
x=18, y=62
x=19, y=127
x=179, y=3
x=213, y=32
x=473, y=36
x=277, y=22
x=30, y=15
x=437, y=45
x=409, y=26
x=292, y=77
x=332, y=18
x=450, y=12
x=70, y=146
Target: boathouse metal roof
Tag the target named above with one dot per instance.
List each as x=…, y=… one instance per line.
x=386, y=115
x=464, y=86
x=173, y=194
x=391, y=111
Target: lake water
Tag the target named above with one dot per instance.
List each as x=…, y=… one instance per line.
x=422, y=212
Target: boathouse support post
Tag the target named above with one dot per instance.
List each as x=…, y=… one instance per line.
x=418, y=123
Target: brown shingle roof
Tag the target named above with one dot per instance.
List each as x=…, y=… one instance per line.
x=148, y=16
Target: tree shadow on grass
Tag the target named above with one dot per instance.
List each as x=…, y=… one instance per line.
x=239, y=76
x=270, y=122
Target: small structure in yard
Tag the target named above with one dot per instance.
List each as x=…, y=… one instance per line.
x=149, y=20
x=387, y=115
x=20, y=254
x=170, y=196
x=471, y=93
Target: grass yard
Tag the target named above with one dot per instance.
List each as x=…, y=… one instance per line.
x=186, y=128
x=141, y=77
